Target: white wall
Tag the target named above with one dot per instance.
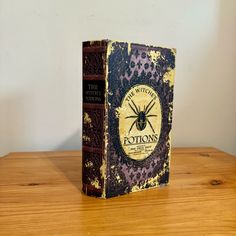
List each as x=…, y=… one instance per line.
x=40, y=66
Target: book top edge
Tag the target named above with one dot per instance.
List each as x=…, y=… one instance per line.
x=104, y=42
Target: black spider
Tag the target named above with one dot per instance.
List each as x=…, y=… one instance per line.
x=141, y=117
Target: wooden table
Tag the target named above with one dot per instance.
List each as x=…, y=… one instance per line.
x=40, y=193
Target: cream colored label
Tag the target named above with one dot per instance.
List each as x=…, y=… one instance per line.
x=140, y=118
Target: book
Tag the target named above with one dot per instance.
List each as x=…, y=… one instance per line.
x=127, y=117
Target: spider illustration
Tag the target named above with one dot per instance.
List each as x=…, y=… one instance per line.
x=141, y=117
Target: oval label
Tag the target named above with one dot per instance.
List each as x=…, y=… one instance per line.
x=140, y=118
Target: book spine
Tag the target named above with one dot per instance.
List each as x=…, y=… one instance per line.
x=94, y=74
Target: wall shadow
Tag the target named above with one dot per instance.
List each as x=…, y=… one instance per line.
x=74, y=142
x=71, y=164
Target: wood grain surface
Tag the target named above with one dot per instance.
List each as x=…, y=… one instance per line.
x=40, y=194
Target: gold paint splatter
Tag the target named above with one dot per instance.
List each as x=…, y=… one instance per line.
x=88, y=164
x=118, y=178
x=95, y=183
x=87, y=119
x=173, y=50
x=170, y=113
x=129, y=48
x=86, y=138
x=135, y=188
x=169, y=76
x=118, y=110
x=110, y=48
x=155, y=55
x=103, y=176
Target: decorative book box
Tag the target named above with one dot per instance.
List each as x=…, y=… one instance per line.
x=127, y=117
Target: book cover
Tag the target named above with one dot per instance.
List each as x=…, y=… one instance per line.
x=127, y=117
